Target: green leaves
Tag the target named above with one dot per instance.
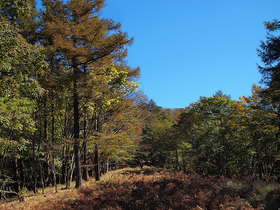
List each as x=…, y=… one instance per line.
x=11, y=148
x=225, y=137
x=15, y=10
x=16, y=114
x=16, y=124
x=20, y=63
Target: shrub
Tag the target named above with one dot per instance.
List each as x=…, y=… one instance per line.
x=22, y=194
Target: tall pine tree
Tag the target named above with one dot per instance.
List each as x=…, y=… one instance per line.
x=269, y=53
x=82, y=41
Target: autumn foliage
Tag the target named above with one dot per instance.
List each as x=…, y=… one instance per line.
x=163, y=190
x=71, y=109
x=155, y=189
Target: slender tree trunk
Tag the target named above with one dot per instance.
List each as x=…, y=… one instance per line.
x=47, y=173
x=34, y=166
x=70, y=172
x=77, y=149
x=22, y=177
x=85, y=169
x=42, y=179
x=63, y=175
x=38, y=160
x=66, y=163
x=96, y=161
x=52, y=152
x=96, y=154
x=107, y=165
x=17, y=178
x=46, y=139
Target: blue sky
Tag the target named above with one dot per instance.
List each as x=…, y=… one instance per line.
x=192, y=48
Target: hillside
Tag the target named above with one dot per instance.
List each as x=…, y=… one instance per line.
x=157, y=189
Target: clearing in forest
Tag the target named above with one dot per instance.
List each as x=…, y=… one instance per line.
x=157, y=189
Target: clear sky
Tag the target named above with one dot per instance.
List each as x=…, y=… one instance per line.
x=192, y=48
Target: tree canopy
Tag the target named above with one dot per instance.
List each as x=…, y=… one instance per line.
x=71, y=106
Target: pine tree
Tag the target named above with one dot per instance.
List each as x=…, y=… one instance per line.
x=83, y=42
x=269, y=53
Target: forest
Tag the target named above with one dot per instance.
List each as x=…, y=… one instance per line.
x=71, y=108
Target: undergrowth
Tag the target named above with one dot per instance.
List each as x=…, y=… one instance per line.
x=156, y=189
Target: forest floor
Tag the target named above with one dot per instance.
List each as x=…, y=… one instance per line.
x=156, y=189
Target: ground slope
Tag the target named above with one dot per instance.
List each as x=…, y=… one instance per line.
x=155, y=189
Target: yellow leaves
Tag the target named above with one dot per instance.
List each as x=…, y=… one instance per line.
x=185, y=146
x=119, y=116
x=245, y=100
x=134, y=86
x=238, y=107
x=111, y=101
x=256, y=89
x=266, y=129
x=111, y=144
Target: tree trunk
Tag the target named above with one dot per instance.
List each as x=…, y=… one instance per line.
x=64, y=165
x=17, y=178
x=53, y=171
x=34, y=166
x=96, y=154
x=52, y=153
x=85, y=169
x=77, y=149
x=42, y=179
x=96, y=161
x=39, y=163
x=107, y=165
x=46, y=139
x=70, y=172
x=22, y=177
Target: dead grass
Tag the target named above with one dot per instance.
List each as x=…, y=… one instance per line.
x=156, y=189
x=47, y=201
